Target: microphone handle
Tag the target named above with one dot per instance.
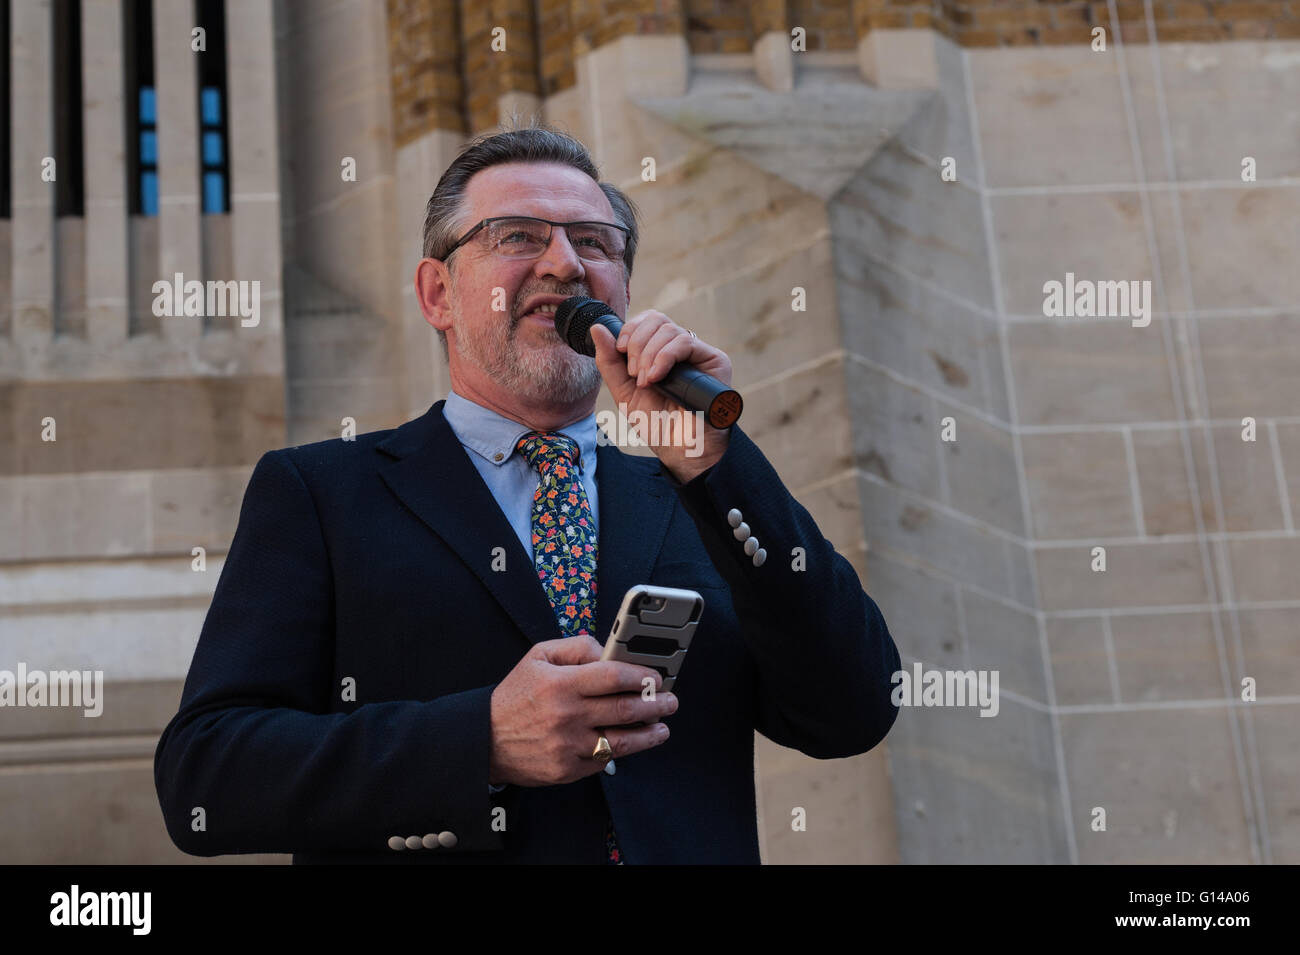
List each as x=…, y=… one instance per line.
x=687, y=385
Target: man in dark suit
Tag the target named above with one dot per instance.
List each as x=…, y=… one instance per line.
x=400, y=664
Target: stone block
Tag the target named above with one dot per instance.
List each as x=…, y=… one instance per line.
x=99, y=814
x=1089, y=371
x=971, y=789
x=1218, y=97
x=917, y=332
x=145, y=640
x=131, y=707
x=802, y=424
x=1240, y=245
x=1005, y=639
x=80, y=515
x=195, y=508
x=1268, y=646
x=1160, y=458
x=1080, y=667
x=1159, y=573
x=956, y=548
x=1166, y=656
x=1263, y=568
x=920, y=608
x=1050, y=117
x=898, y=59
x=837, y=511
x=758, y=327
x=1078, y=485
x=1168, y=782
x=1249, y=365
x=1274, y=732
x=895, y=430
x=1097, y=236
x=146, y=424
x=847, y=807
x=1248, y=485
x=983, y=481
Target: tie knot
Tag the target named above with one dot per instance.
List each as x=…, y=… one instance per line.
x=542, y=449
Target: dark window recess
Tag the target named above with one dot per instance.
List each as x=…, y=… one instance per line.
x=214, y=134
x=141, y=107
x=6, y=162
x=69, y=182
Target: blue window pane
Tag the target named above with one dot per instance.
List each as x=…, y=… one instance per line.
x=212, y=149
x=149, y=148
x=214, y=192
x=147, y=117
x=149, y=193
x=210, y=100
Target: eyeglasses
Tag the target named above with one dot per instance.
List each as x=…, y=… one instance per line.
x=526, y=237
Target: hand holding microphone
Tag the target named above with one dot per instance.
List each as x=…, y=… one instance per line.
x=659, y=354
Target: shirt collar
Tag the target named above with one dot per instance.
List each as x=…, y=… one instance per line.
x=493, y=436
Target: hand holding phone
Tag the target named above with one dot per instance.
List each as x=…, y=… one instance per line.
x=654, y=628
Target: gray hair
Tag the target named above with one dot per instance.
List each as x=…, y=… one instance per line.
x=539, y=142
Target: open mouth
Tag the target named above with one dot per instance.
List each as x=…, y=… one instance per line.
x=543, y=313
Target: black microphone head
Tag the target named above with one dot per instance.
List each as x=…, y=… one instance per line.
x=574, y=318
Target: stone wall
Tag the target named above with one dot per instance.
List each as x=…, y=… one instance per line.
x=1174, y=165
x=447, y=75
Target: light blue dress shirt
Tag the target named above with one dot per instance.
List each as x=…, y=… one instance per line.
x=490, y=439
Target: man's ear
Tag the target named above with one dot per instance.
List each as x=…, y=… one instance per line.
x=433, y=292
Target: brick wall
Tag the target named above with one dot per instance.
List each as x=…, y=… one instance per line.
x=445, y=74
x=984, y=23
x=424, y=64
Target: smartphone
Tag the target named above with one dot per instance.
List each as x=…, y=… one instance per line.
x=654, y=627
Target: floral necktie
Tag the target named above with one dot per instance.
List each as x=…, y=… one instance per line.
x=564, y=546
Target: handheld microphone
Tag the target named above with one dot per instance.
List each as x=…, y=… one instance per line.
x=688, y=386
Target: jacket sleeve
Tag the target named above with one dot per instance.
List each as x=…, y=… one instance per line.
x=254, y=744
x=823, y=655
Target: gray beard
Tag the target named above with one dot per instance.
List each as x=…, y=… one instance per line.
x=539, y=375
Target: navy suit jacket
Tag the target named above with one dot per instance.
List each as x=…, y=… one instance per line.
x=372, y=560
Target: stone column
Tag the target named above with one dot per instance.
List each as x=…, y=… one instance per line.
x=254, y=155
x=107, y=269
x=31, y=53
x=175, y=84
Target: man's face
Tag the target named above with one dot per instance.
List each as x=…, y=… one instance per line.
x=521, y=354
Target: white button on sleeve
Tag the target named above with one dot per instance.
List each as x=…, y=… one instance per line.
x=447, y=840
x=751, y=546
x=734, y=517
x=760, y=557
x=396, y=843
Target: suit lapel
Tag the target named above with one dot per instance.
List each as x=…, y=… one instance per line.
x=635, y=505
x=431, y=473
x=425, y=466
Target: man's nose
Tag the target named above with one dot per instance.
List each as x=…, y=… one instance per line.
x=560, y=259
